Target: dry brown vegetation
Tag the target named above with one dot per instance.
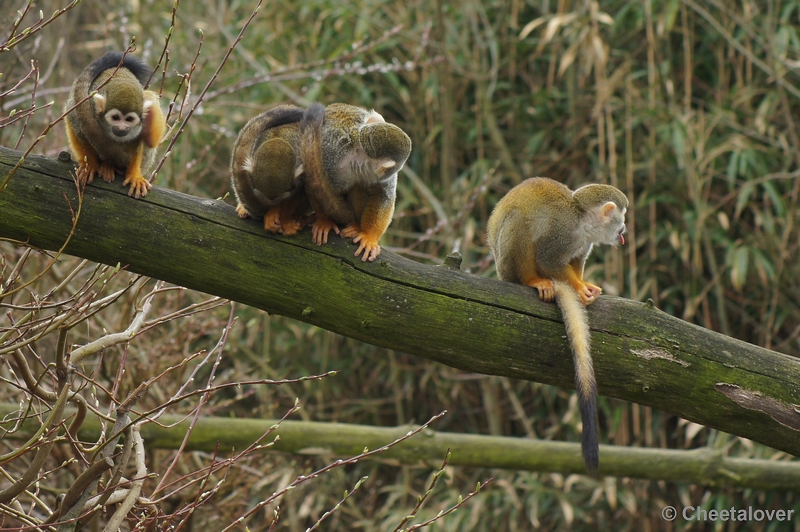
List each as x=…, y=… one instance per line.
x=689, y=107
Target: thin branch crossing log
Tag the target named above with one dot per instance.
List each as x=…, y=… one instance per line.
x=706, y=466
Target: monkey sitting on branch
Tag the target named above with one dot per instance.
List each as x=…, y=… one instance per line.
x=344, y=165
x=541, y=234
x=263, y=165
x=118, y=125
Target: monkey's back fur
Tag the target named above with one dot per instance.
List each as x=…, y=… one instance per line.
x=352, y=142
x=541, y=233
x=264, y=159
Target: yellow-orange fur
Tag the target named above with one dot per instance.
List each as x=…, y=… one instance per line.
x=118, y=128
x=541, y=233
x=263, y=165
x=350, y=159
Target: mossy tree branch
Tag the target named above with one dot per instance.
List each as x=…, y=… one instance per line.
x=441, y=313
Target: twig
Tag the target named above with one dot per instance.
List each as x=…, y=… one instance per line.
x=461, y=501
x=11, y=41
x=112, y=339
x=136, y=485
x=35, y=68
x=349, y=461
x=347, y=495
x=164, y=50
x=205, y=90
x=219, y=348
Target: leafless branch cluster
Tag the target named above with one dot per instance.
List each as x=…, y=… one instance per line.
x=105, y=478
x=73, y=334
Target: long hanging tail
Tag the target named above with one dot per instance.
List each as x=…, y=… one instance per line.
x=576, y=320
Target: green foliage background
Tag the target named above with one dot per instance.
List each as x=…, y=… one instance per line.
x=689, y=107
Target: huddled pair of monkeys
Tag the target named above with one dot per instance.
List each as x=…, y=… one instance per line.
x=337, y=166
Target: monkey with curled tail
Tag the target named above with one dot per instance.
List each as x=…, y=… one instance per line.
x=263, y=164
x=119, y=124
x=350, y=158
x=541, y=234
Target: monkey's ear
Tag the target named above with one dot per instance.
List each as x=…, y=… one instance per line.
x=99, y=102
x=382, y=167
x=373, y=118
x=607, y=210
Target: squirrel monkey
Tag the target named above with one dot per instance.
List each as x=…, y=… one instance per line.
x=119, y=126
x=263, y=166
x=541, y=234
x=350, y=157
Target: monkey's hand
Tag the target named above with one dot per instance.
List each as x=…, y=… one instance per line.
x=139, y=185
x=320, y=229
x=133, y=175
x=241, y=210
x=367, y=242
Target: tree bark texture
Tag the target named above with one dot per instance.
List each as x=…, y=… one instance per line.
x=437, y=312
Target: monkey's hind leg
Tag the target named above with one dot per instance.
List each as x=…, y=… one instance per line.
x=322, y=225
x=272, y=220
x=523, y=266
x=133, y=175
x=544, y=286
x=87, y=159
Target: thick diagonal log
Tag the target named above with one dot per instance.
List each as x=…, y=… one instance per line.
x=438, y=312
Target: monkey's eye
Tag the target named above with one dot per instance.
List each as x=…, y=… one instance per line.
x=129, y=118
x=116, y=117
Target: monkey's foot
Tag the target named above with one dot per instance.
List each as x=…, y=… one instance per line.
x=588, y=293
x=107, y=173
x=272, y=220
x=242, y=211
x=369, y=245
x=320, y=230
x=139, y=185
x=596, y=290
x=291, y=226
x=545, y=287
x=351, y=231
